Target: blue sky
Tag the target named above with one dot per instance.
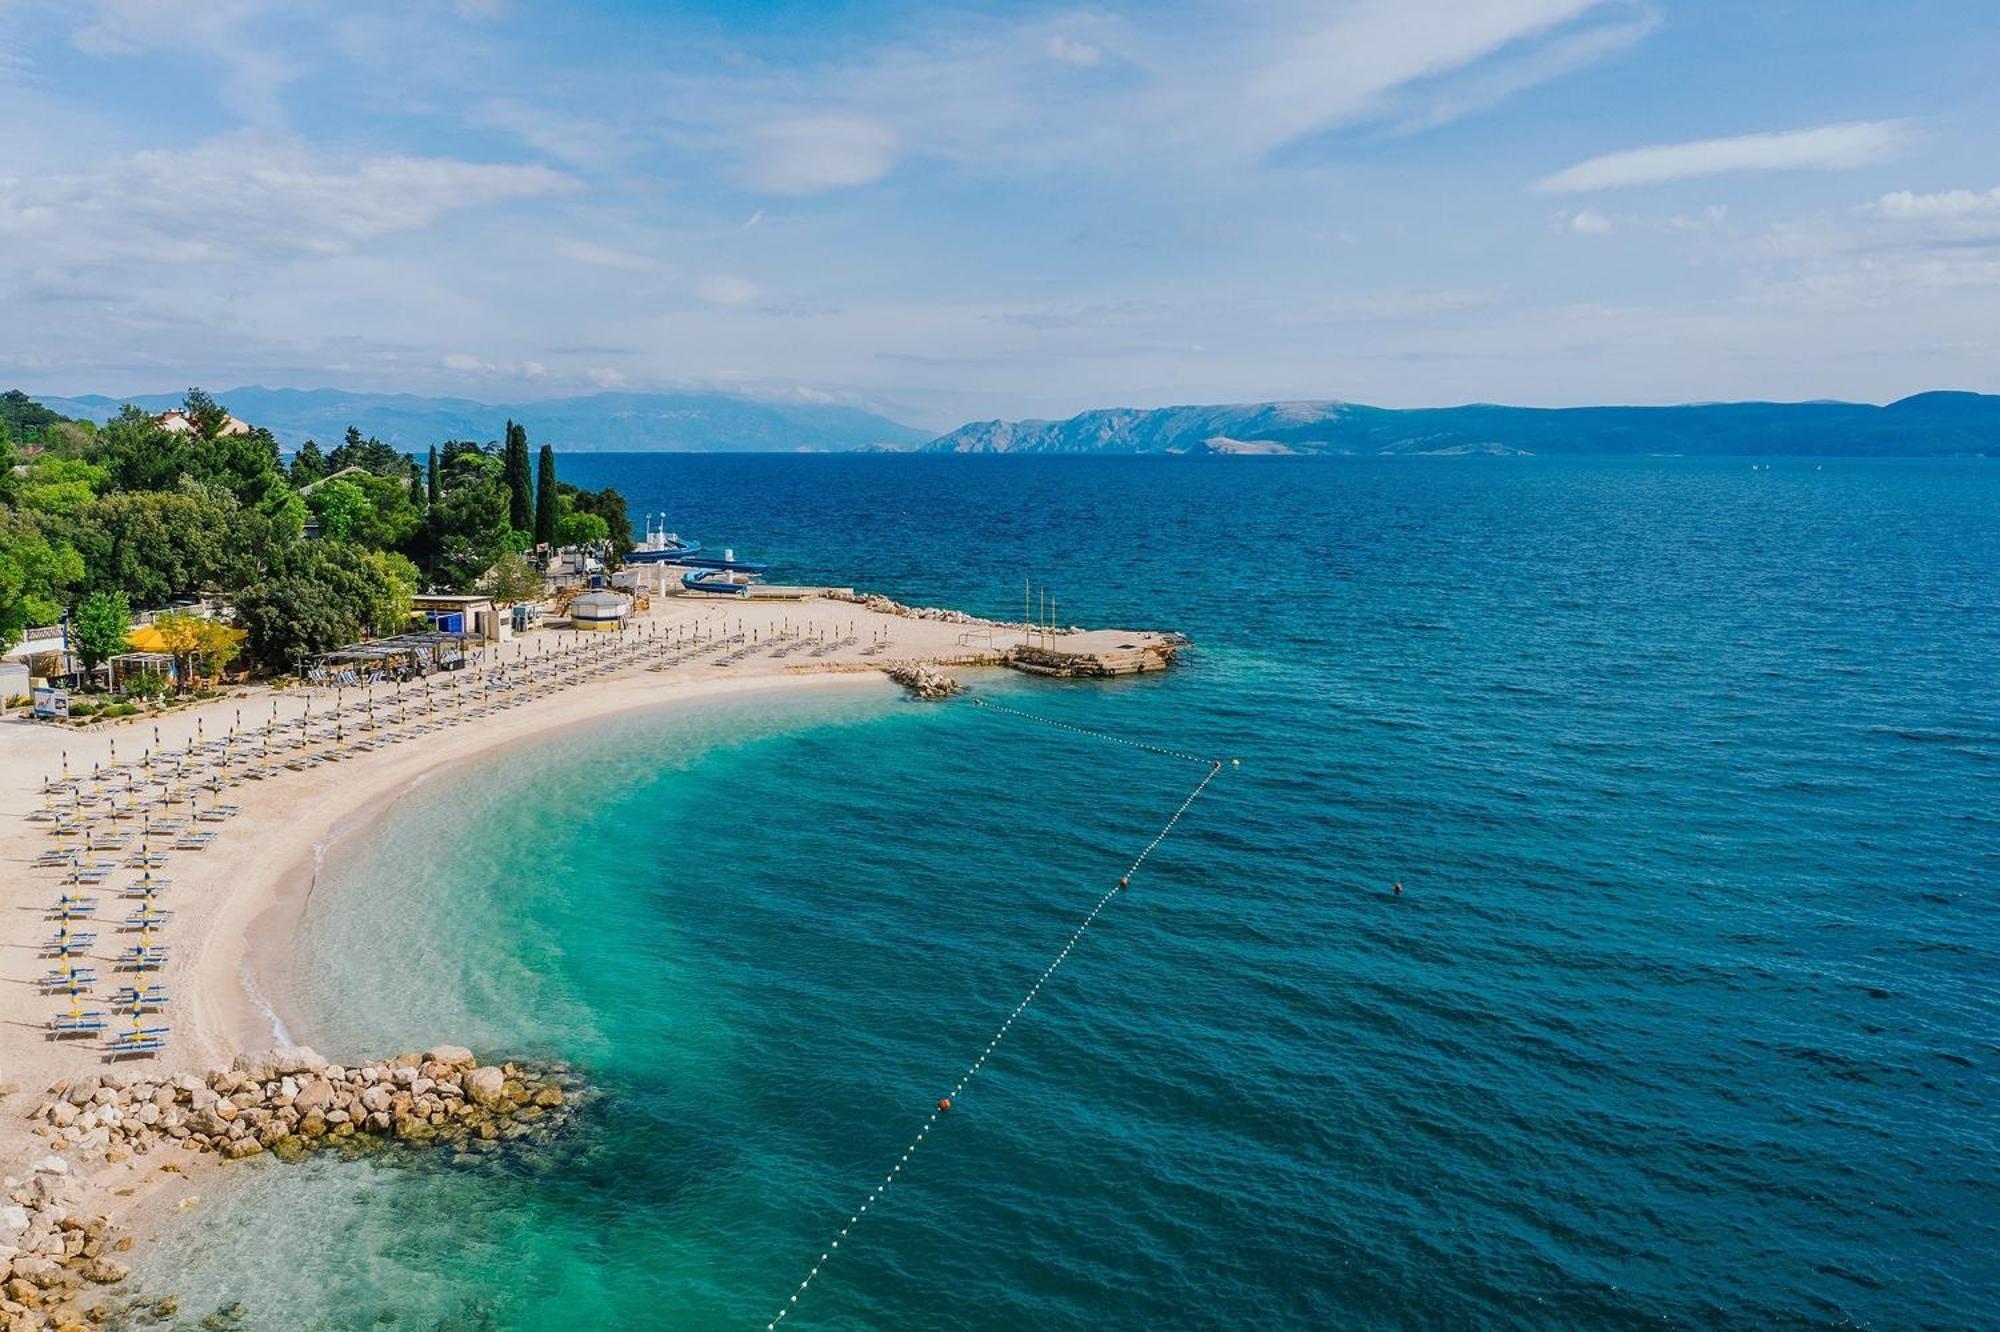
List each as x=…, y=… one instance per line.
x=962, y=211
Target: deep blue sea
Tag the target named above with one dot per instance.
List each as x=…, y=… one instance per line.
x=1688, y=1015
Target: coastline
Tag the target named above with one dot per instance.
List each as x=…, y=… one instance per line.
x=238, y=905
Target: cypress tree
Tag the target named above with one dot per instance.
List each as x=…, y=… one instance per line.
x=520, y=500
x=431, y=491
x=545, y=497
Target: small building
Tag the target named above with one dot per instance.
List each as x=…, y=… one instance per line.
x=176, y=422
x=599, y=610
x=475, y=616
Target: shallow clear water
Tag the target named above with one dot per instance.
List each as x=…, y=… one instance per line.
x=1691, y=774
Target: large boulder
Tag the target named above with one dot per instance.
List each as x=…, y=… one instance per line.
x=486, y=1086
x=316, y=1094
x=451, y=1056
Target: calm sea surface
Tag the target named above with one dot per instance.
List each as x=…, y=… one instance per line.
x=1686, y=1016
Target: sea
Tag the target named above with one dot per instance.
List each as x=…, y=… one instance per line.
x=1684, y=1015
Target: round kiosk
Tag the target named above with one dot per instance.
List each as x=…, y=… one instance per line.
x=599, y=610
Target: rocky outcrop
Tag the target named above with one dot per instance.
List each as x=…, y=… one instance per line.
x=290, y=1102
x=287, y=1103
x=922, y=681
x=882, y=605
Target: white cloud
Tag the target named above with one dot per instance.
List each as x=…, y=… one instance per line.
x=605, y=377
x=1070, y=51
x=1340, y=71
x=251, y=196
x=816, y=153
x=465, y=363
x=1707, y=219
x=1584, y=222
x=725, y=289
x=1825, y=148
x=251, y=77
x=1946, y=206
x=606, y=256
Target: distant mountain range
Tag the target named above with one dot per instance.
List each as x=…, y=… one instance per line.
x=1928, y=424
x=1924, y=425
x=597, y=423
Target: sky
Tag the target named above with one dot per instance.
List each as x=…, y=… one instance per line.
x=951, y=212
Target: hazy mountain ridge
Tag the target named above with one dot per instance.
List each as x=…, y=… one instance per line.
x=693, y=421
x=1926, y=424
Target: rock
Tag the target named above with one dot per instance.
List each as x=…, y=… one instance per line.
x=451, y=1056
x=51, y=1165
x=316, y=1094
x=13, y=1217
x=42, y=1272
x=486, y=1086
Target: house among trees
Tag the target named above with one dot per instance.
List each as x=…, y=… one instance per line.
x=176, y=421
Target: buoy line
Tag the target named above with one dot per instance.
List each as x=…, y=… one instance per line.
x=1214, y=766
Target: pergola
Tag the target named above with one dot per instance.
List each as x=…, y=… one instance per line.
x=396, y=657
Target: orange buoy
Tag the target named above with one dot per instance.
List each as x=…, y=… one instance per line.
x=945, y=1104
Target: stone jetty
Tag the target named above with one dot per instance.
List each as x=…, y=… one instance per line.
x=287, y=1103
x=922, y=681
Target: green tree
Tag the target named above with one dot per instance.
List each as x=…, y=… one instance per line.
x=308, y=464
x=581, y=529
x=340, y=505
x=520, y=488
x=24, y=419
x=323, y=595
x=62, y=486
x=207, y=415
x=545, y=497
x=158, y=545
x=369, y=454
x=431, y=488
x=512, y=579
x=99, y=627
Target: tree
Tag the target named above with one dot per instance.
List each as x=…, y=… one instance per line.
x=520, y=490
x=158, y=545
x=181, y=635
x=431, y=490
x=321, y=596
x=369, y=454
x=206, y=414
x=308, y=464
x=580, y=529
x=545, y=497
x=340, y=506
x=25, y=419
x=512, y=579
x=99, y=627
x=608, y=505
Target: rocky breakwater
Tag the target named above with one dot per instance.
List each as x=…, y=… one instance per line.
x=289, y=1102
x=875, y=601
x=923, y=681
x=52, y=1255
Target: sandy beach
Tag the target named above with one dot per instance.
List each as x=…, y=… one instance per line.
x=236, y=902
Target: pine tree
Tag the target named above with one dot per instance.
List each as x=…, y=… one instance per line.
x=520, y=493
x=545, y=497
x=308, y=464
x=431, y=491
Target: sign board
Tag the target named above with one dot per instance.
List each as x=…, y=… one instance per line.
x=51, y=702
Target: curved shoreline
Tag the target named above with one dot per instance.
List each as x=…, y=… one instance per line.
x=235, y=902
x=266, y=1006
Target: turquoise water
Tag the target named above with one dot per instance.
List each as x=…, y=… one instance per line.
x=1685, y=1016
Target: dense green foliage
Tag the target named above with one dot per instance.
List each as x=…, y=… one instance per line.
x=100, y=626
x=545, y=497
x=97, y=521
x=514, y=471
